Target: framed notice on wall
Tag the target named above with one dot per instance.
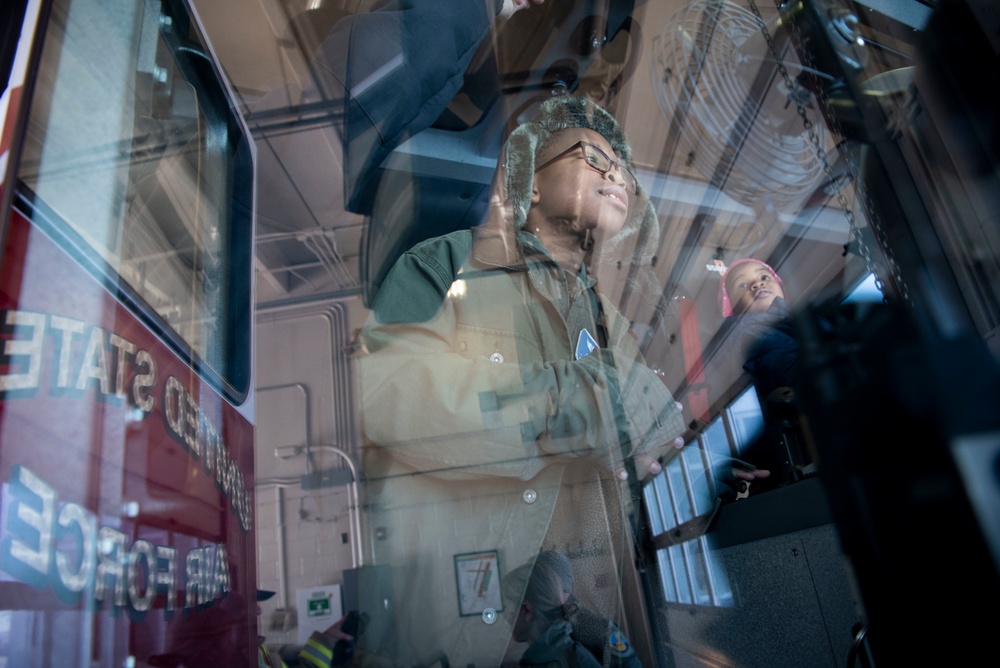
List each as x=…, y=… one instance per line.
x=478, y=577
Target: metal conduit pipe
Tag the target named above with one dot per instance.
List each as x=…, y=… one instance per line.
x=279, y=530
x=279, y=485
x=342, y=379
x=280, y=496
x=343, y=410
x=336, y=315
x=357, y=556
x=307, y=401
x=341, y=405
x=343, y=418
x=354, y=516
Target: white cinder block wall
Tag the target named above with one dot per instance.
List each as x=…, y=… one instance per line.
x=317, y=548
x=304, y=397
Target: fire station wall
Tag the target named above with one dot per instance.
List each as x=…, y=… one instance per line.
x=306, y=533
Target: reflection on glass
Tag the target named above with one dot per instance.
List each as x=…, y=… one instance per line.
x=680, y=492
x=697, y=572
x=680, y=572
x=650, y=496
x=745, y=418
x=681, y=501
x=121, y=147
x=715, y=440
x=867, y=291
x=666, y=575
x=722, y=591
x=702, y=494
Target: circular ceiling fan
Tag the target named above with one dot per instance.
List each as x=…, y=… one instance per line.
x=737, y=121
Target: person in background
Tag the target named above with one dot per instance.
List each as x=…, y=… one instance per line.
x=318, y=652
x=753, y=293
x=331, y=647
x=540, y=620
x=594, y=631
x=749, y=286
x=266, y=658
x=761, y=342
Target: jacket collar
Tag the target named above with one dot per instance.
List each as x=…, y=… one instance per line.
x=496, y=243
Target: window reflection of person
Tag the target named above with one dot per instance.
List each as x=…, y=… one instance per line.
x=598, y=634
x=540, y=620
x=503, y=398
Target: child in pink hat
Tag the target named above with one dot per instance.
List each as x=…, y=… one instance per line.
x=749, y=286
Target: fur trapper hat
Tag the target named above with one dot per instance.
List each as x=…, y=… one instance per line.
x=636, y=243
x=527, y=142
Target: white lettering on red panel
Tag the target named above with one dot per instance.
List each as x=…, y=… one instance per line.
x=86, y=357
x=59, y=544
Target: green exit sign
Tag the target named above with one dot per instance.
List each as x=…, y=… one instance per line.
x=319, y=607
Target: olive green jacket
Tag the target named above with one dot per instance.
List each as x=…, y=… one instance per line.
x=483, y=432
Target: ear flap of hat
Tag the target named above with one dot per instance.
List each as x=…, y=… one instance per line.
x=518, y=164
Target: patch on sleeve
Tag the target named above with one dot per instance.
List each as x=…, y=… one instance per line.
x=618, y=642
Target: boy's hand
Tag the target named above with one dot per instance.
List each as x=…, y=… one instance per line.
x=645, y=462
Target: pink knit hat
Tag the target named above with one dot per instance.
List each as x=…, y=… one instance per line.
x=724, y=304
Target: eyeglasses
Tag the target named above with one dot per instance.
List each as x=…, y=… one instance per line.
x=599, y=160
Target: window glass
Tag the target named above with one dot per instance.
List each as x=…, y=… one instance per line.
x=680, y=490
x=715, y=440
x=699, y=475
x=721, y=588
x=682, y=571
x=701, y=591
x=131, y=146
x=745, y=418
x=653, y=508
x=667, y=577
x=866, y=291
x=489, y=335
x=470, y=358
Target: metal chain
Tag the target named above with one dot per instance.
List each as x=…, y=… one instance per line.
x=855, y=231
